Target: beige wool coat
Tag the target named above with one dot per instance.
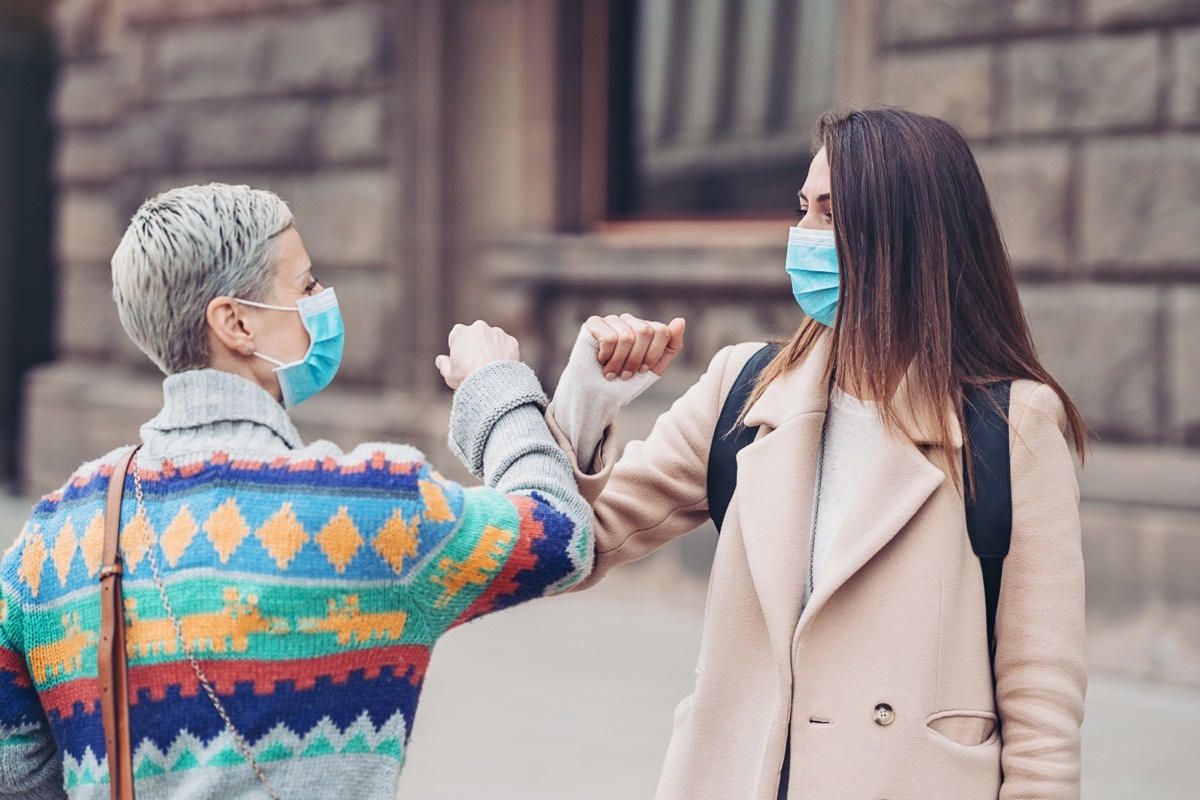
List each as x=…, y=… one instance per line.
x=884, y=676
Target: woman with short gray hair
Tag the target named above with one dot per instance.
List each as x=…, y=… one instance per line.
x=184, y=248
x=280, y=599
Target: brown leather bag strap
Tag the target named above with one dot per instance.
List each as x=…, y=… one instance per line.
x=110, y=658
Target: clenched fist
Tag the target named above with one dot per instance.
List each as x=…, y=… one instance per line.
x=473, y=346
x=630, y=345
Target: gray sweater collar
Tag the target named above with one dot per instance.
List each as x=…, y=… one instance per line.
x=211, y=409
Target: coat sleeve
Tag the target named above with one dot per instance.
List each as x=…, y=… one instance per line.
x=658, y=489
x=30, y=766
x=1041, y=673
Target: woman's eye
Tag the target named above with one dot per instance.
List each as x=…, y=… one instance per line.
x=311, y=285
x=800, y=212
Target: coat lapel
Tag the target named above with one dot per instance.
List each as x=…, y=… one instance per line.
x=775, y=490
x=894, y=486
x=774, y=497
x=774, y=511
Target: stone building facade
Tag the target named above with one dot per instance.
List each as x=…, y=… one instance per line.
x=447, y=160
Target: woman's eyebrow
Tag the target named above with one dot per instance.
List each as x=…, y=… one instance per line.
x=821, y=198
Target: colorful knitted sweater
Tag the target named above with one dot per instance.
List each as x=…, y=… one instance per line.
x=311, y=585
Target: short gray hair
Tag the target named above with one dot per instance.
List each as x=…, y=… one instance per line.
x=182, y=249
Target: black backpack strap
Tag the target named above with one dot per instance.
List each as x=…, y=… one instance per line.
x=989, y=514
x=729, y=436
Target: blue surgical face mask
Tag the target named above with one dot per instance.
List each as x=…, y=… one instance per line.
x=812, y=265
x=300, y=380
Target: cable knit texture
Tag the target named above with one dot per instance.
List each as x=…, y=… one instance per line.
x=311, y=584
x=476, y=407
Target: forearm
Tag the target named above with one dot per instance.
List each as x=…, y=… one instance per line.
x=30, y=765
x=586, y=404
x=528, y=533
x=658, y=490
x=498, y=431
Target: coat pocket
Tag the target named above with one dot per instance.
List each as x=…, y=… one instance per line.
x=964, y=727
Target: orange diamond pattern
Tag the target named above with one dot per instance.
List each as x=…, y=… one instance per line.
x=283, y=536
x=436, y=507
x=226, y=529
x=92, y=544
x=64, y=551
x=179, y=535
x=136, y=540
x=397, y=539
x=340, y=540
x=32, y=558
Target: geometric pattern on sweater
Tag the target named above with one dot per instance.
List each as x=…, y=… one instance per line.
x=253, y=532
x=311, y=589
x=187, y=752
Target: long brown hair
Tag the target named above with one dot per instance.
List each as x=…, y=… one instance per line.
x=927, y=289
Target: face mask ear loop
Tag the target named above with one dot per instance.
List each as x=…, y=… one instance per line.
x=278, y=364
x=264, y=305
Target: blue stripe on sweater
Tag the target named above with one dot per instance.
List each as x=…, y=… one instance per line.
x=254, y=715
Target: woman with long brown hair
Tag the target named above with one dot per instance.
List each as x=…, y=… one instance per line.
x=846, y=647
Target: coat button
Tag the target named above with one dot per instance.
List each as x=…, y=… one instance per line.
x=884, y=714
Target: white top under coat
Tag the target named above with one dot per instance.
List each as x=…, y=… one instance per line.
x=853, y=429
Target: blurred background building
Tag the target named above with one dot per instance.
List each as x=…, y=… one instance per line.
x=532, y=162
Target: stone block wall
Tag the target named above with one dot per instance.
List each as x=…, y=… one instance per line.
x=289, y=95
x=1083, y=115
x=295, y=96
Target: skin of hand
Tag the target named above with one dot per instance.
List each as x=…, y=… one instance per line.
x=629, y=345
x=473, y=346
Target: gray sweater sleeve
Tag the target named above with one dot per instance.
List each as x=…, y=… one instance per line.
x=498, y=430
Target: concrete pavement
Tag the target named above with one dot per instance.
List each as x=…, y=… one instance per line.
x=572, y=698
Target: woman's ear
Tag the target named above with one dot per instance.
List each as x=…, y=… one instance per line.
x=227, y=324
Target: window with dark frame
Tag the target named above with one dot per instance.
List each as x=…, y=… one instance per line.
x=712, y=103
